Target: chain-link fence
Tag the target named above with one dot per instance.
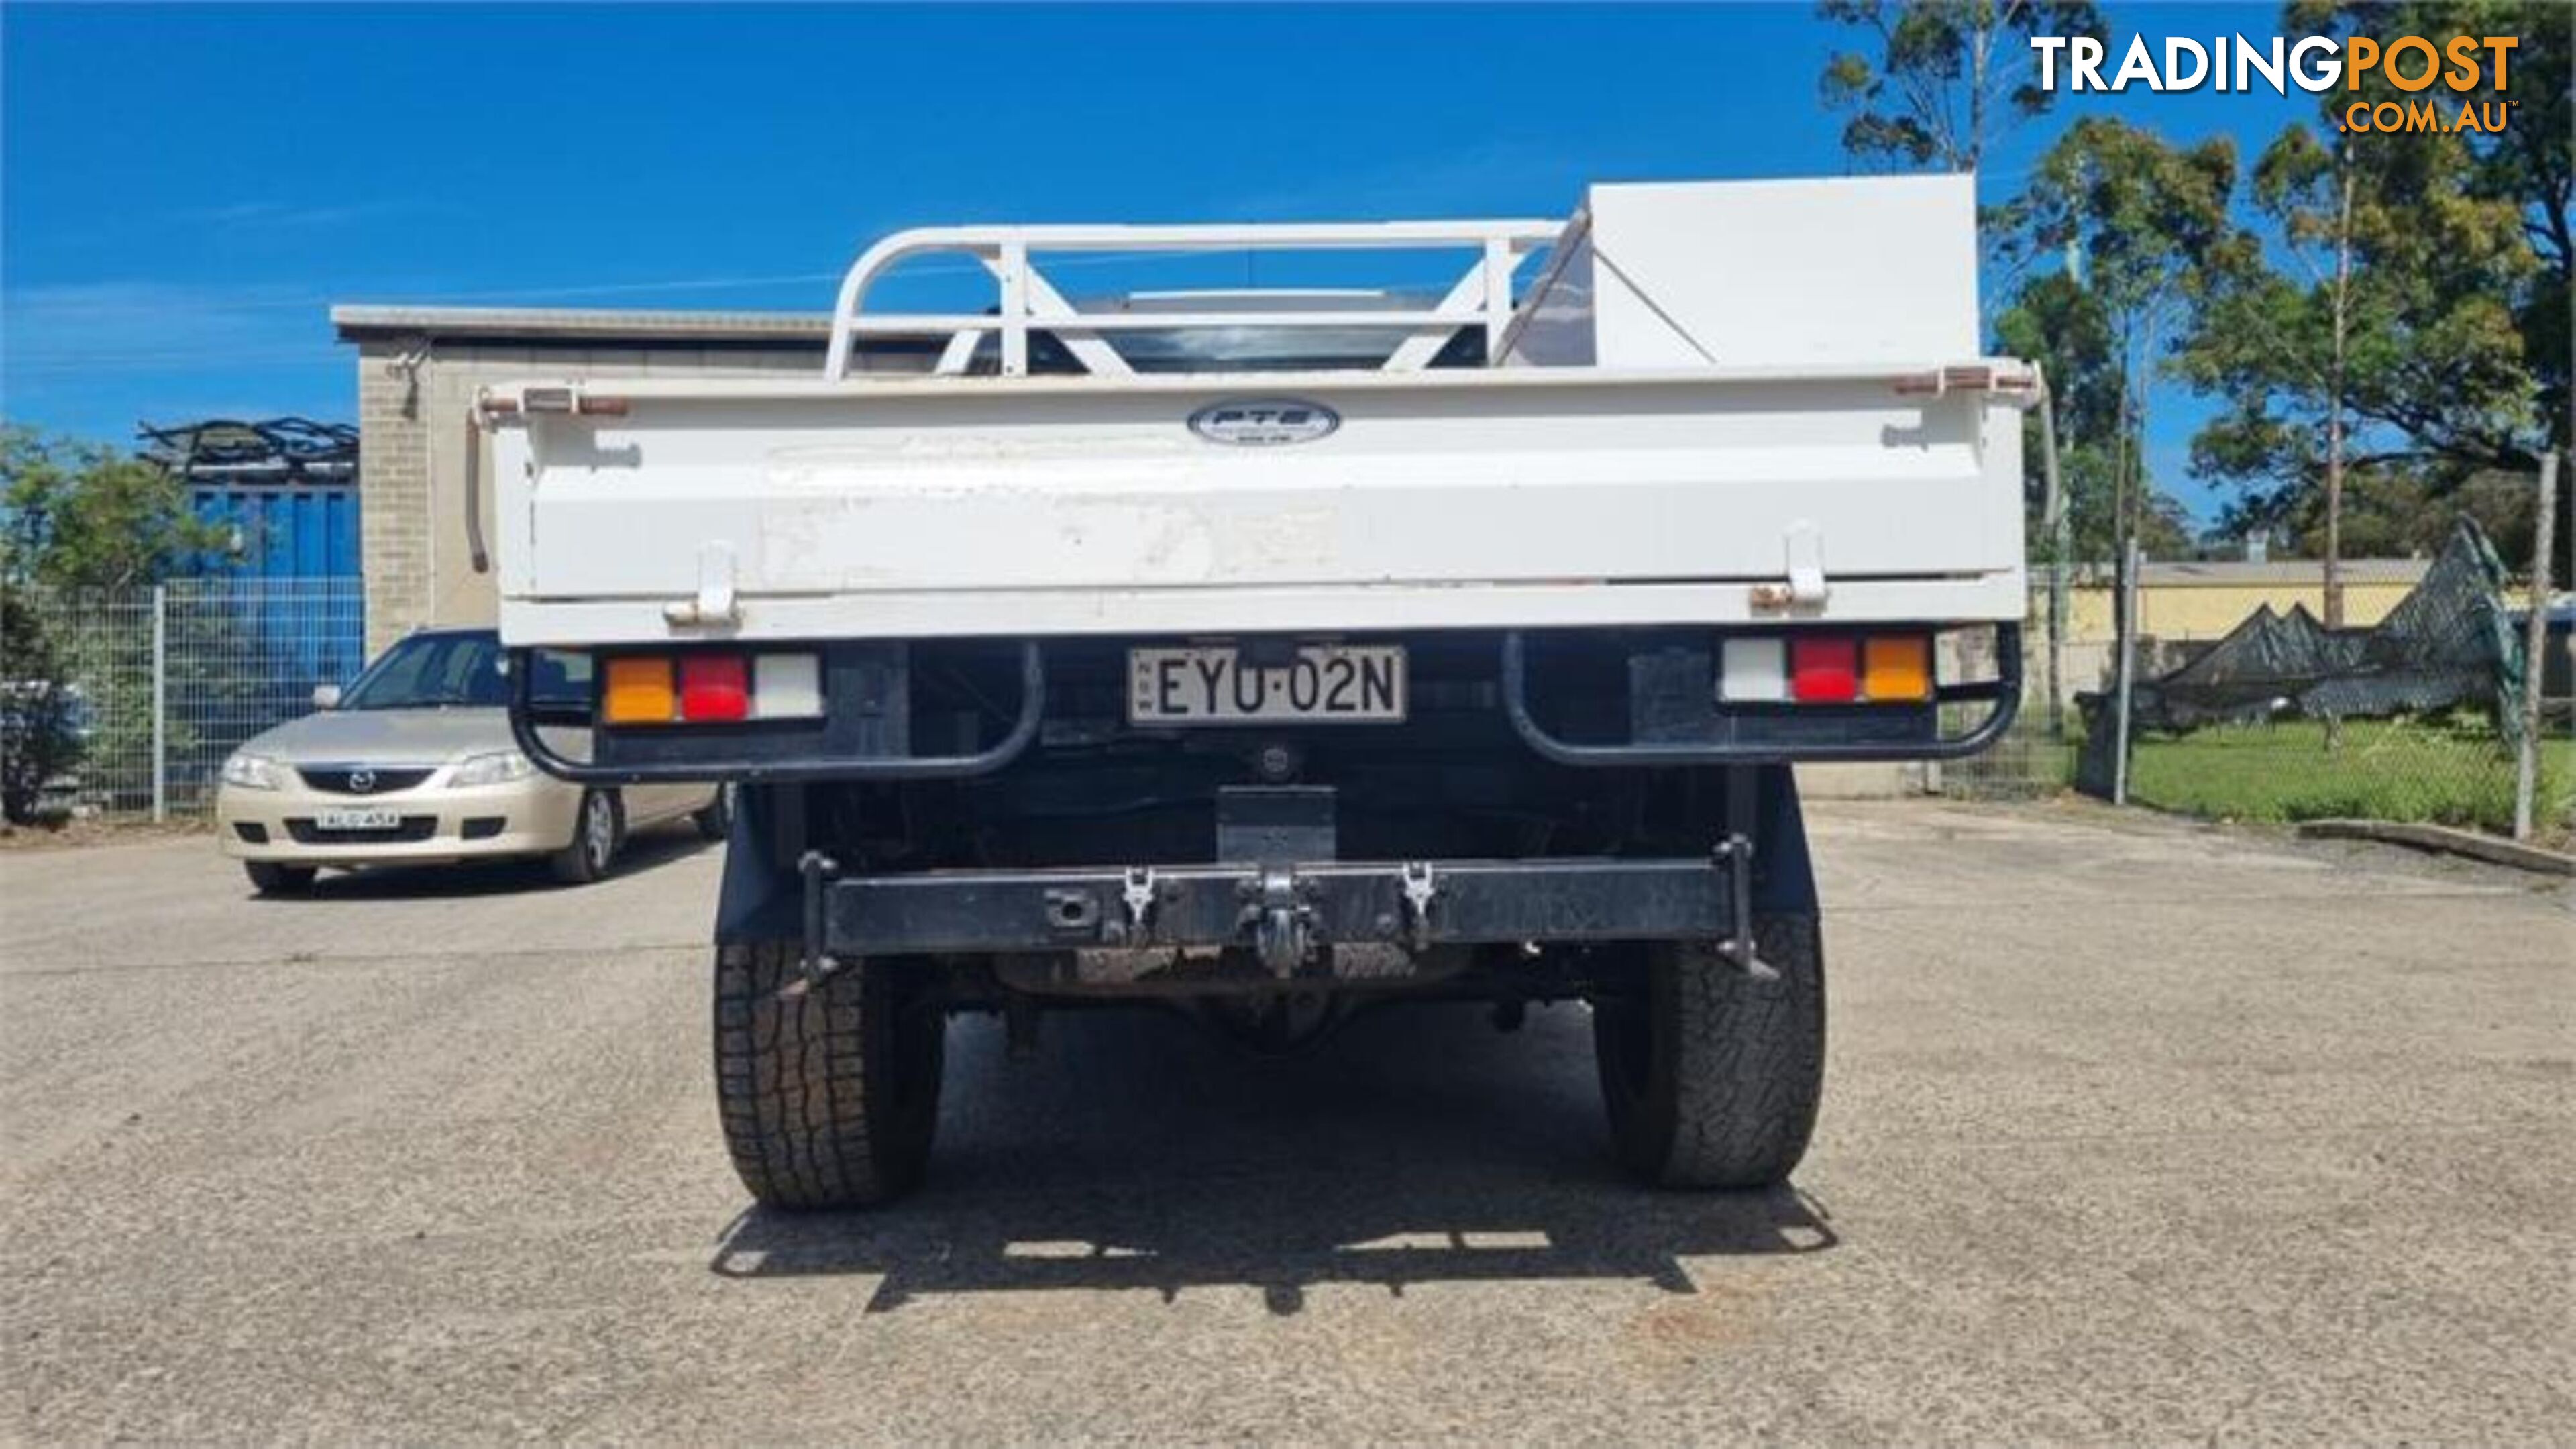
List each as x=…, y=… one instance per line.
x=2414, y=719
x=2454, y=768
x=163, y=682
x=2030, y=761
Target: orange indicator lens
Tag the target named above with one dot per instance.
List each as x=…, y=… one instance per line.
x=639, y=691
x=1896, y=669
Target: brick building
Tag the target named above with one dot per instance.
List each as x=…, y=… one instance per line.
x=418, y=370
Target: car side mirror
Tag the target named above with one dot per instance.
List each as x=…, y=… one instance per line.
x=326, y=696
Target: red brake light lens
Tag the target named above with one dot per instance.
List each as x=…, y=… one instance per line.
x=714, y=687
x=1824, y=671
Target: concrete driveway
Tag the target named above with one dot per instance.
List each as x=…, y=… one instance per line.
x=2134, y=1132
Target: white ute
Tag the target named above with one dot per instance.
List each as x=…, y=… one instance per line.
x=1282, y=652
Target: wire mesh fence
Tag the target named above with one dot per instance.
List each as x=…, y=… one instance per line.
x=2355, y=725
x=2455, y=768
x=2415, y=718
x=164, y=681
x=2030, y=761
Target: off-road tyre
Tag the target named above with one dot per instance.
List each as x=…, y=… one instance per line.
x=593, y=847
x=1711, y=1075
x=272, y=879
x=715, y=822
x=830, y=1095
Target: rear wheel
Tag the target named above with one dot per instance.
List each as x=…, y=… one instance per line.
x=830, y=1095
x=1712, y=1076
x=272, y=879
x=717, y=818
x=597, y=825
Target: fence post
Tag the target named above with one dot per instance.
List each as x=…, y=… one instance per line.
x=2535, y=650
x=2053, y=516
x=160, y=702
x=2128, y=584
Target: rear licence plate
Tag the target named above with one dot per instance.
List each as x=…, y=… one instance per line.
x=1324, y=684
x=357, y=819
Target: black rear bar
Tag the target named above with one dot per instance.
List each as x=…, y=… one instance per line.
x=1414, y=904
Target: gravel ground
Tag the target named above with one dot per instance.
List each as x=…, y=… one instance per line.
x=2134, y=1132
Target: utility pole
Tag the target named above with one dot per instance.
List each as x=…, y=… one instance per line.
x=2052, y=514
x=2128, y=668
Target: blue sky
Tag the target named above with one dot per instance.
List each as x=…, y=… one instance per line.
x=184, y=191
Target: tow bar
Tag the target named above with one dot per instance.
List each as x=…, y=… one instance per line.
x=1281, y=913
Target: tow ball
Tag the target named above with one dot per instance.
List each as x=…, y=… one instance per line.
x=1283, y=924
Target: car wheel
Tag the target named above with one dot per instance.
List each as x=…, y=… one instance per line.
x=716, y=820
x=271, y=879
x=830, y=1094
x=1711, y=1074
x=597, y=827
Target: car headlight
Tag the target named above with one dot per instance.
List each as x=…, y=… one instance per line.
x=250, y=772
x=498, y=768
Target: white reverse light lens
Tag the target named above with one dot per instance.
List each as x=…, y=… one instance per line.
x=499, y=767
x=786, y=686
x=251, y=772
x=1754, y=670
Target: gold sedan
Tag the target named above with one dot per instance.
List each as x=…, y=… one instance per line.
x=414, y=764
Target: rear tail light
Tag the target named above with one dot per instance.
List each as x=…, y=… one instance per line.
x=715, y=688
x=1755, y=670
x=1826, y=669
x=1821, y=671
x=639, y=692
x=1897, y=668
x=710, y=688
x=787, y=686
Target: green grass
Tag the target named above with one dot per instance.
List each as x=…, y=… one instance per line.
x=2452, y=771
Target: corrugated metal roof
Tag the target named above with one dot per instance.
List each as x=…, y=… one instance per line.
x=601, y=325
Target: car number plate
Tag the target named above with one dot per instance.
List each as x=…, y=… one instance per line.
x=357, y=819
x=1322, y=684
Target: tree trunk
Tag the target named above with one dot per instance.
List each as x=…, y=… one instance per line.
x=2120, y=454
x=2134, y=521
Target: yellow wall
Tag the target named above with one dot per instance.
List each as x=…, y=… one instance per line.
x=2208, y=611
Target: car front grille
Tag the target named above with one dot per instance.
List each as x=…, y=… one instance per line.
x=412, y=827
x=361, y=779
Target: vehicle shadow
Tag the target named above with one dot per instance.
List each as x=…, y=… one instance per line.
x=1419, y=1146
x=644, y=853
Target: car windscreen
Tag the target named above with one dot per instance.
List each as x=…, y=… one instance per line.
x=433, y=671
x=465, y=671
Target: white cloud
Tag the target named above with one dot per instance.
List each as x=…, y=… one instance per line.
x=242, y=216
